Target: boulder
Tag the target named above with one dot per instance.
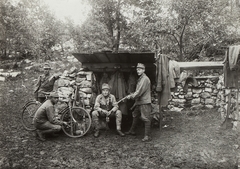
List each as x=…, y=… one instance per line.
x=205, y=95
x=209, y=101
x=196, y=101
x=196, y=90
x=189, y=95
x=208, y=90
x=179, y=100
x=181, y=96
x=197, y=107
x=2, y=79
x=195, y=95
x=209, y=106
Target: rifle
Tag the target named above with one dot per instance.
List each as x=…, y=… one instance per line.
x=122, y=99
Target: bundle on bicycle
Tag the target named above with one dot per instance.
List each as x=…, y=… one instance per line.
x=76, y=114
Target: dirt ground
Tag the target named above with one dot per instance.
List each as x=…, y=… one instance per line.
x=189, y=140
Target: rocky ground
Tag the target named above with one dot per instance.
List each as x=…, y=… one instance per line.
x=189, y=140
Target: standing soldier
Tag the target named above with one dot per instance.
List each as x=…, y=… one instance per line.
x=45, y=84
x=106, y=106
x=142, y=104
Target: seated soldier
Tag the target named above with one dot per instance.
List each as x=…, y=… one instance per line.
x=106, y=106
x=45, y=119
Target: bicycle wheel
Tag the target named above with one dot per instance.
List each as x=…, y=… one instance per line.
x=28, y=113
x=78, y=124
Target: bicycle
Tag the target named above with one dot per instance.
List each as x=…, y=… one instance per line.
x=78, y=119
x=28, y=112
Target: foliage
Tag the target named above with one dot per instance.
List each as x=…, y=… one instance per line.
x=185, y=30
x=28, y=28
x=109, y=14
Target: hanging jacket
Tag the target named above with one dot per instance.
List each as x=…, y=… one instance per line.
x=104, y=79
x=119, y=89
x=132, y=82
x=230, y=76
x=174, y=72
x=163, y=83
x=233, y=56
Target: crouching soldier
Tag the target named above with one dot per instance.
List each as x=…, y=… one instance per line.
x=45, y=119
x=106, y=106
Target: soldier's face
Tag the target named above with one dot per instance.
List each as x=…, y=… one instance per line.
x=140, y=71
x=105, y=92
x=54, y=100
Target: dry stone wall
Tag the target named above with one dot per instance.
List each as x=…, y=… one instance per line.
x=210, y=93
x=206, y=95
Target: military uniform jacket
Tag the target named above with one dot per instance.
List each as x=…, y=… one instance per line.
x=46, y=113
x=142, y=95
x=106, y=103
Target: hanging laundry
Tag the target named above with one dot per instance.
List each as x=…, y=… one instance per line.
x=163, y=83
x=105, y=79
x=231, y=76
x=187, y=78
x=119, y=89
x=132, y=82
x=174, y=72
x=233, y=56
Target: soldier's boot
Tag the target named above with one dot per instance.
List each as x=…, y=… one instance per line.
x=133, y=127
x=40, y=136
x=147, y=131
x=119, y=123
x=96, y=123
x=97, y=128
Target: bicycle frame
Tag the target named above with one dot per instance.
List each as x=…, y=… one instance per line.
x=71, y=105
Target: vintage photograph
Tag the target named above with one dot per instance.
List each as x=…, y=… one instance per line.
x=119, y=84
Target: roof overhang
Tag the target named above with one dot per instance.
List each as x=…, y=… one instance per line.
x=111, y=60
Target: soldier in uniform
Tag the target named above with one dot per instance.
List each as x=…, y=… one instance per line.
x=106, y=106
x=45, y=84
x=45, y=119
x=142, y=97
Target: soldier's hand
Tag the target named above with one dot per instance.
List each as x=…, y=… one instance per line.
x=129, y=97
x=109, y=112
x=105, y=112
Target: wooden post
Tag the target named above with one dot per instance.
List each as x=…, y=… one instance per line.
x=160, y=112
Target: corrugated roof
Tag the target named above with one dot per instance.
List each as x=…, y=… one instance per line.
x=109, y=57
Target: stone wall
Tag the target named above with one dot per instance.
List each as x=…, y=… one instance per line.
x=210, y=93
x=206, y=95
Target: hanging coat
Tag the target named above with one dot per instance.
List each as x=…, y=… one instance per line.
x=105, y=79
x=163, y=83
x=174, y=72
x=132, y=82
x=230, y=76
x=119, y=89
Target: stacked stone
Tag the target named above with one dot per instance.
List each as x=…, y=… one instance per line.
x=69, y=80
x=178, y=99
x=202, y=96
x=222, y=99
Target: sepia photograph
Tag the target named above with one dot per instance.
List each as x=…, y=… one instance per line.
x=119, y=84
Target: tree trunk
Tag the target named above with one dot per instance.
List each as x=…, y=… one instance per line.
x=181, y=52
x=117, y=43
